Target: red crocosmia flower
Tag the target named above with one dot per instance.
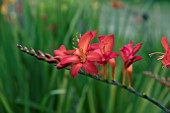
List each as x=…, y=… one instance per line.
x=165, y=57
x=62, y=53
x=52, y=27
x=168, y=79
x=44, y=17
x=104, y=48
x=127, y=53
x=19, y=8
x=116, y=4
x=82, y=57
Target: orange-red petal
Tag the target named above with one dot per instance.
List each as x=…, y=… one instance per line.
x=85, y=41
x=129, y=46
x=114, y=55
x=70, y=59
x=123, y=54
x=75, y=69
x=90, y=67
x=136, y=58
x=101, y=38
x=62, y=48
x=59, y=65
x=94, y=46
x=58, y=53
x=69, y=51
x=94, y=33
x=136, y=48
x=107, y=42
x=94, y=56
x=165, y=43
x=78, y=52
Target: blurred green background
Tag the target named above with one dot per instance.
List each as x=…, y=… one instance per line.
x=28, y=85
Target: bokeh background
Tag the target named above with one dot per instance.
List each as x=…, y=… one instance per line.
x=28, y=85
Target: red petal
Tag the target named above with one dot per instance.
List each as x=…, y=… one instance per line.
x=78, y=52
x=94, y=46
x=94, y=56
x=58, y=53
x=165, y=43
x=108, y=43
x=62, y=48
x=69, y=51
x=90, y=67
x=123, y=54
x=101, y=38
x=59, y=65
x=85, y=41
x=136, y=48
x=75, y=69
x=129, y=46
x=136, y=58
x=114, y=55
x=94, y=33
x=166, y=63
x=70, y=59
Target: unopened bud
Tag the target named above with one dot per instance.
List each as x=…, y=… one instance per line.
x=41, y=57
x=41, y=53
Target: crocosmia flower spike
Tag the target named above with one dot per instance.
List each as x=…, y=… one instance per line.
x=128, y=55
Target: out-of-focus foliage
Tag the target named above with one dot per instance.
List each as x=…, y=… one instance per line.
x=31, y=86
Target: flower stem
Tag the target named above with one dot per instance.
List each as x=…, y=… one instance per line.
x=142, y=95
x=129, y=71
x=124, y=76
x=105, y=70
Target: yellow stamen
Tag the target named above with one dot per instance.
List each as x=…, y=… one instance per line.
x=83, y=58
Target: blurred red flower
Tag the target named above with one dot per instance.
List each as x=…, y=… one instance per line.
x=165, y=57
x=116, y=5
x=128, y=55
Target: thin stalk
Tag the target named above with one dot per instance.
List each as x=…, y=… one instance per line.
x=105, y=70
x=131, y=90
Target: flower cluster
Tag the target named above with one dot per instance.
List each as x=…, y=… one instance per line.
x=88, y=56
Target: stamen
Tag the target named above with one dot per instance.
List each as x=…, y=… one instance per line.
x=155, y=53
